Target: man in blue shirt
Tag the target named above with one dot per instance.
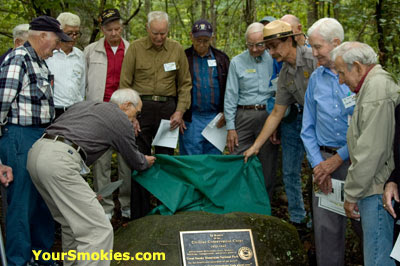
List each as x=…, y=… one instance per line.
x=325, y=122
x=247, y=92
x=209, y=69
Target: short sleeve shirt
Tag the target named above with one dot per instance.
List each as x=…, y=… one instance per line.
x=293, y=81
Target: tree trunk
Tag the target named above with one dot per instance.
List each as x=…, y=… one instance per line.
x=381, y=40
x=147, y=6
x=335, y=9
x=312, y=12
x=204, y=9
x=213, y=16
x=250, y=11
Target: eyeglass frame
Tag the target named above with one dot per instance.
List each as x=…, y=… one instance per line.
x=258, y=45
x=74, y=33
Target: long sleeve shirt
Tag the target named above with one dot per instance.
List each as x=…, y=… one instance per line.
x=247, y=84
x=69, y=76
x=161, y=72
x=26, y=93
x=325, y=118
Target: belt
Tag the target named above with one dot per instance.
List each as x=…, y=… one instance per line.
x=156, y=98
x=252, y=107
x=60, y=138
x=328, y=149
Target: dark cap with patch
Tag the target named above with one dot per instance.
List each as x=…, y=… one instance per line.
x=46, y=23
x=109, y=15
x=202, y=28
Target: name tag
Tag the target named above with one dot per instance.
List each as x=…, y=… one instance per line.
x=349, y=101
x=212, y=63
x=250, y=71
x=169, y=66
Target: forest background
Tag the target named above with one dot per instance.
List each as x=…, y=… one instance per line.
x=376, y=22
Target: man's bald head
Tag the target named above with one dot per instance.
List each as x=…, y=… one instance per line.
x=296, y=27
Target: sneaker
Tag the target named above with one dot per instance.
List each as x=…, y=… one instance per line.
x=126, y=213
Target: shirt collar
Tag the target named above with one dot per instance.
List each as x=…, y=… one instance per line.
x=32, y=51
x=149, y=44
x=121, y=44
x=209, y=54
x=358, y=88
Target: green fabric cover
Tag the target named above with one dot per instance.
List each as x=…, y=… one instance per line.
x=211, y=183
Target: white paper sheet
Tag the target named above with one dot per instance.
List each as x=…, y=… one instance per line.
x=396, y=250
x=333, y=201
x=109, y=189
x=166, y=137
x=216, y=136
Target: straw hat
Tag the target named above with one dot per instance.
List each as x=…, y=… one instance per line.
x=277, y=29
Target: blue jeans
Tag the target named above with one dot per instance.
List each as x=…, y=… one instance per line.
x=29, y=224
x=292, y=157
x=377, y=225
x=192, y=142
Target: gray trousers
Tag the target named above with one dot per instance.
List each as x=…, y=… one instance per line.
x=330, y=228
x=55, y=171
x=102, y=177
x=249, y=124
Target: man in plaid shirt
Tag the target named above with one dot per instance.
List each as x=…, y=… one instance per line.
x=26, y=109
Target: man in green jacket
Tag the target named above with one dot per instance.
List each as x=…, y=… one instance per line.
x=370, y=140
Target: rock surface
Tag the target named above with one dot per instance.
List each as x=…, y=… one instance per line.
x=276, y=241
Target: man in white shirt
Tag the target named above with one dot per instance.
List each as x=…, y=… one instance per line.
x=68, y=66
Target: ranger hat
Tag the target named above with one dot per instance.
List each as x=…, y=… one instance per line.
x=46, y=23
x=277, y=29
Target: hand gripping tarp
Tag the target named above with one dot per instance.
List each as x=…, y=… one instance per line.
x=211, y=183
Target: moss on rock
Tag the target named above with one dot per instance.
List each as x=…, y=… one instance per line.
x=276, y=241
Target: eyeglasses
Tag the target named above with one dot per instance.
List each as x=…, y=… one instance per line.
x=74, y=34
x=138, y=115
x=258, y=45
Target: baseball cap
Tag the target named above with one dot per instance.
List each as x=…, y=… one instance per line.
x=202, y=28
x=109, y=15
x=267, y=19
x=46, y=23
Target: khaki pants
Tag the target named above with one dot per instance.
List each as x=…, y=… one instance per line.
x=102, y=177
x=54, y=168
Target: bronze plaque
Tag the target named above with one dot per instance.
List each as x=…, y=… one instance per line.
x=218, y=248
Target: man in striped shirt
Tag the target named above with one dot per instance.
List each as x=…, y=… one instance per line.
x=26, y=109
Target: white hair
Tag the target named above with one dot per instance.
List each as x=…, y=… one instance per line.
x=354, y=51
x=157, y=15
x=69, y=19
x=121, y=96
x=253, y=28
x=328, y=28
x=21, y=32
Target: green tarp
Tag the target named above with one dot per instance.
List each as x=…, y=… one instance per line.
x=211, y=183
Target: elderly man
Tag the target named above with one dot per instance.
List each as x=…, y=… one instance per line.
x=247, y=92
x=296, y=27
x=20, y=35
x=209, y=70
x=82, y=135
x=68, y=66
x=26, y=109
x=157, y=68
x=104, y=61
x=370, y=141
x=293, y=78
x=325, y=123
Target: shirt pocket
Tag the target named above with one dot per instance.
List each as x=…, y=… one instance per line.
x=143, y=70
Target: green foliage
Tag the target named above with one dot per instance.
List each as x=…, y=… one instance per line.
x=358, y=17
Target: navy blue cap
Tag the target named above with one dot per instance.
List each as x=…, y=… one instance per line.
x=267, y=19
x=202, y=28
x=109, y=15
x=46, y=23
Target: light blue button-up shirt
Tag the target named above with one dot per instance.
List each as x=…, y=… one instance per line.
x=247, y=84
x=325, y=118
